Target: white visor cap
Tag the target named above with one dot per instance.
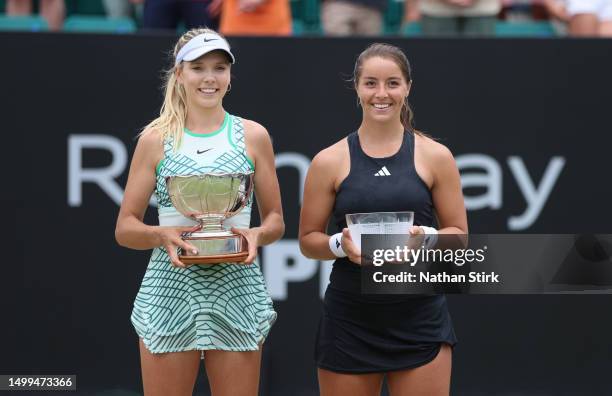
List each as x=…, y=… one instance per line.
x=203, y=44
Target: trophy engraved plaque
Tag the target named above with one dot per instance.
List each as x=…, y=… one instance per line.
x=210, y=198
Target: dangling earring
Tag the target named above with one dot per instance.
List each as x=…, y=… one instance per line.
x=229, y=88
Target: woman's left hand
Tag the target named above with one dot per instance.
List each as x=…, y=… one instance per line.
x=417, y=237
x=252, y=237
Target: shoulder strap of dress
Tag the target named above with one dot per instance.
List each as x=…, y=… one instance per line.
x=235, y=133
x=408, y=146
x=168, y=146
x=353, y=143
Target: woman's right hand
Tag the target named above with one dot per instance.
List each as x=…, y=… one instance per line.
x=352, y=251
x=170, y=239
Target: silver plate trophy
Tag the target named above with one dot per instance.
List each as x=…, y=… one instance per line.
x=210, y=198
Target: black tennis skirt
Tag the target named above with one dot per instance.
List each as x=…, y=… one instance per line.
x=361, y=334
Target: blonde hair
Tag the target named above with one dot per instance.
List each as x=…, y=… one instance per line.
x=173, y=113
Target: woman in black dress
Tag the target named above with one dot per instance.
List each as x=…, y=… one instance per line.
x=384, y=166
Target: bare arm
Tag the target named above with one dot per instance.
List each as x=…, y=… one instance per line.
x=319, y=197
x=436, y=165
x=267, y=190
x=447, y=193
x=447, y=196
x=130, y=231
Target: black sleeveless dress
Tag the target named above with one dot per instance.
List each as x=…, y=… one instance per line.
x=361, y=333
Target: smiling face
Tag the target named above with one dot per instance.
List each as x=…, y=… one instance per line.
x=382, y=89
x=205, y=79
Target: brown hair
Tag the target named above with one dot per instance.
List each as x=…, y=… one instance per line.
x=388, y=51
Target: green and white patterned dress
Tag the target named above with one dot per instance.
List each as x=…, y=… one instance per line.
x=218, y=306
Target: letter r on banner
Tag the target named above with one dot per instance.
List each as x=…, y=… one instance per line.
x=103, y=177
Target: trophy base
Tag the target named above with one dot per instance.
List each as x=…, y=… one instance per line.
x=215, y=250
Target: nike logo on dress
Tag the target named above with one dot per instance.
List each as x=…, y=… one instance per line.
x=203, y=151
x=383, y=172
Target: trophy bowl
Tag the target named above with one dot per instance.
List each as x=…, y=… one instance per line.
x=209, y=199
x=378, y=223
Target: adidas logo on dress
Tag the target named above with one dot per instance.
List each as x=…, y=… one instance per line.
x=383, y=172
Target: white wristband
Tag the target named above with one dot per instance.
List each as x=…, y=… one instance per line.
x=335, y=245
x=431, y=236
